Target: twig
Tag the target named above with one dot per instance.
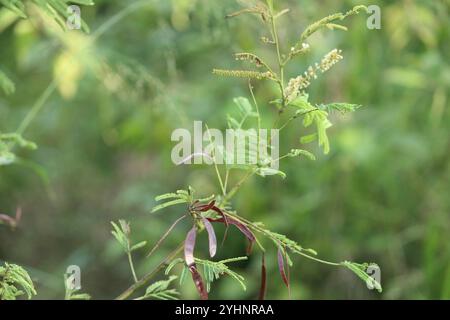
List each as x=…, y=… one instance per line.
x=145, y=279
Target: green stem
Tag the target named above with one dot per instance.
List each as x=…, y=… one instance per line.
x=320, y=260
x=295, y=116
x=227, y=174
x=37, y=107
x=145, y=279
x=130, y=260
x=280, y=61
x=222, y=187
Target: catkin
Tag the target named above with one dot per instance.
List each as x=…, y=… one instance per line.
x=243, y=74
x=303, y=81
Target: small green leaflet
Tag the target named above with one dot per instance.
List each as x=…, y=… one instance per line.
x=181, y=196
x=7, y=142
x=213, y=270
x=168, y=204
x=360, y=271
x=160, y=290
x=340, y=107
x=322, y=124
x=6, y=84
x=319, y=116
x=15, y=6
x=245, y=107
x=300, y=152
x=138, y=245
x=314, y=115
x=308, y=138
x=184, y=271
x=246, y=111
x=6, y=158
x=173, y=264
x=15, y=138
x=233, y=123
x=263, y=172
x=183, y=274
x=122, y=232
x=301, y=102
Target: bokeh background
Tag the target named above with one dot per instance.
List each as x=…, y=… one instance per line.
x=381, y=194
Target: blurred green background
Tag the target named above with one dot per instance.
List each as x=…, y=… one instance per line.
x=382, y=194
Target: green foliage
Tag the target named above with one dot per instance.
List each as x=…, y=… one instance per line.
x=213, y=270
x=291, y=96
x=6, y=84
x=122, y=233
x=319, y=116
x=15, y=282
x=328, y=22
x=301, y=152
x=7, y=142
x=56, y=9
x=280, y=240
x=160, y=290
x=181, y=196
x=314, y=115
x=361, y=271
x=106, y=148
x=264, y=172
x=245, y=111
x=340, y=107
x=11, y=139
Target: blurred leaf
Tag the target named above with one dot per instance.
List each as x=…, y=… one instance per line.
x=6, y=84
x=138, y=245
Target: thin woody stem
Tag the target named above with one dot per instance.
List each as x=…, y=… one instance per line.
x=164, y=236
x=145, y=279
x=133, y=271
x=295, y=116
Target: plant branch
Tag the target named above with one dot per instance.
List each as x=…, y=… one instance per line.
x=145, y=279
x=37, y=106
x=222, y=187
x=280, y=61
x=130, y=261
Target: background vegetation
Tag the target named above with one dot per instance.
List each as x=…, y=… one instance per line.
x=381, y=194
